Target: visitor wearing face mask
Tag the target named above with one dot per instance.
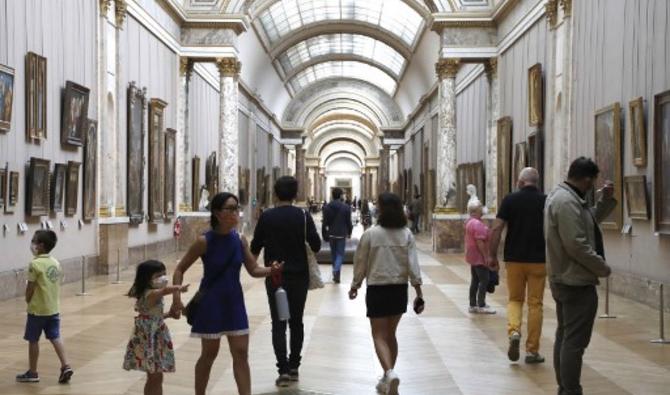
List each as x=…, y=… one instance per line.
x=150, y=347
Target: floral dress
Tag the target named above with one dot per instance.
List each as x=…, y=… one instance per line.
x=150, y=347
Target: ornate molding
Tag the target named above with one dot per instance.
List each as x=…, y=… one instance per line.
x=439, y=25
x=121, y=9
x=185, y=67
x=447, y=67
x=491, y=67
x=566, y=5
x=551, y=11
x=229, y=67
x=104, y=6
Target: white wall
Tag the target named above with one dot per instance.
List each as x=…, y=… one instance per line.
x=343, y=168
x=420, y=74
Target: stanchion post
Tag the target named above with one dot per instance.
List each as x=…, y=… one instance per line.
x=661, y=325
x=83, y=278
x=607, y=300
x=118, y=268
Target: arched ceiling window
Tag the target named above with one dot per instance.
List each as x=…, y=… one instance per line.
x=393, y=15
x=342, y=44
x=349, y=69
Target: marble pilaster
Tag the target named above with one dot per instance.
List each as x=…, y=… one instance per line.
x=493, y=113
x=300, y=171
x=446, y=135
x=183, y=154
x=229, y=70
x=384, y=168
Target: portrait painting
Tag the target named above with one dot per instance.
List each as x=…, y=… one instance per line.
x=12, y=192
x=520, y=161
x=662, y=162
x=136, y=103
x=4, y=178
x=170, y=173
x=535, y=94
x=37, y=202
x=36, y=97
x=504, y=159
x=156, y=160
x=74, y=119
x=608, y=157
x=637, y=199
x=90, y=166
x=195, y=182
x=6, y=97
x=58, y=187
x=72, y=188
x=638, y=132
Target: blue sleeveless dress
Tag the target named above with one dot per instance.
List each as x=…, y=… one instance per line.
x=221, y=311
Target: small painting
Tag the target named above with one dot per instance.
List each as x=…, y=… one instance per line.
x=535, y=93
x=637, y=198
x=75, y=114
x=6, y=97
x=58, y=187
x=662, y=162
x=638, y=132
x=12, y=192
x=38, y=188
x=170, y=173
x=4, y=176
x=90, y=166
x=72, y=188
x=36, y=97
x=504, y=159
x=608, y=155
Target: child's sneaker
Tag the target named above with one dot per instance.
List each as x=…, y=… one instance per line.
x=473, y=310
x=393, y=381
x=28, y=377
x=66, y=373
x=381, y=385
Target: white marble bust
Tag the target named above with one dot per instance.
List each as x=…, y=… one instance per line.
x=471, y=190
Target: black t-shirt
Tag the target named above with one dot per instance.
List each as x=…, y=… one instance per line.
x=523, y=211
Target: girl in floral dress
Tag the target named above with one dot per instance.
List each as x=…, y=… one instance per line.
x=150, y=347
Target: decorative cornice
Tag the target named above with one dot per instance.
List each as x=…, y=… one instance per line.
x=491, y=67
x=566, y=5
x=447, y=68
x=121, y=9
x=238, y=26
x=481, y=22
x=551, y=11
x=104, y=6
x=229, y=67
x=185, y=67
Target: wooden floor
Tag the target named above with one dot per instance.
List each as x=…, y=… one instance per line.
x=444, y=351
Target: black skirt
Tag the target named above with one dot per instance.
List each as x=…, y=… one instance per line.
x=386, y=300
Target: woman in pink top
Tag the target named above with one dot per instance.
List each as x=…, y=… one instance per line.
x=476, y=247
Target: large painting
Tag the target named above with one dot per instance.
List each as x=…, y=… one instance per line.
x=4, y=175
x=662, y=162
x=156, y=160
x=535, y=93
x=37, y=202
x=6, y=97
x=195, y=183
x=12, y=192
x=520, y=161
x=58, y=187
x=36, y=97
x=504, y=164
x=212, y=175
x=75, y=114
x=72, y=188
x=638, y=133
x=608, y=155
x=135, y=153
x=170, y=172
x=90, y=166
x=637, y=198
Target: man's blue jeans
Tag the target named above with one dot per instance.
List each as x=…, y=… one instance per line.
x=337, y=247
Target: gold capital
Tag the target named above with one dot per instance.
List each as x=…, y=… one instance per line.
x=566, y=5
x=120, y=9
x=228, y=67
x=104, y=6
x=447, y=68
x=491, y=67
x=551, y=11
x=185, y=67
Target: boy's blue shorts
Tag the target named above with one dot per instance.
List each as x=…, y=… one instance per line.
x=35, y=324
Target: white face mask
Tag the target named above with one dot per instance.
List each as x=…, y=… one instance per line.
x=160, y=282
x=33, y=249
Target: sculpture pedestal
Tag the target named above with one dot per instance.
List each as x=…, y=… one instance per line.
x=449, y=232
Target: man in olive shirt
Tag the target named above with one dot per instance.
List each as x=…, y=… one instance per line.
x=522, y=213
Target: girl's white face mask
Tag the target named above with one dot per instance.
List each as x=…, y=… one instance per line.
x=160, y=282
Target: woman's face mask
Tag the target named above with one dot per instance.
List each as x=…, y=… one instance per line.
x=159, y=282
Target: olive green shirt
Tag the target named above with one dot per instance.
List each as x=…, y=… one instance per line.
x=46, y=273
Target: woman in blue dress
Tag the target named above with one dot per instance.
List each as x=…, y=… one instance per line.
x=221, y=311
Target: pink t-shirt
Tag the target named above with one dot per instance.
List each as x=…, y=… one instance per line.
x=475, y=230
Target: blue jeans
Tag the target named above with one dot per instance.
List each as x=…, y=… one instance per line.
x=337, y=247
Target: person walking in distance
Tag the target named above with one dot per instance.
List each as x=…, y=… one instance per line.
x=575, y=261
x=336, y=229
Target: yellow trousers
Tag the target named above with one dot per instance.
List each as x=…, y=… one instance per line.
x=522, y=276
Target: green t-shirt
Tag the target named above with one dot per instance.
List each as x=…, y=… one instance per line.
x=46, y=273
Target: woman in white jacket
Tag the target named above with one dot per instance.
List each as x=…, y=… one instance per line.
x=386, y=257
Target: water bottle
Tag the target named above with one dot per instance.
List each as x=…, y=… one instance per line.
x=281, y=301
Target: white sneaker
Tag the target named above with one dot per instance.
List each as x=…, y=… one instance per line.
x=486, y=310
x=473, y=310
x=381, y=385
x=393, y=381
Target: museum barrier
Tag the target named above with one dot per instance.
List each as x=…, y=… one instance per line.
x=83, y=278
x=661, y=325
x=607, y=300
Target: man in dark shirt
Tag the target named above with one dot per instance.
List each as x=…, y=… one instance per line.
x=522, y=212
x=336, y=228
x=280, y=232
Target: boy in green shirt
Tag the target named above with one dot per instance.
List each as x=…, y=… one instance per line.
x=42, y=296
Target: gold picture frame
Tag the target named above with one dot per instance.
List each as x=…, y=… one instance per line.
x=72, y=188
x=535, y=95
x=638, y=132
x=6, y=97
x=608, y=157
x=662, y=162
x=637, y=198
x=36, y=97
x=37, y=202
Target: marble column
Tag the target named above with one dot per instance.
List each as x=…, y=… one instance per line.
x=107, y=104
x=229, y=71
x=445, y=190
x=384, y=168
x=183, y=155
x=300, y=171
x=493, y=113
x=317, y=184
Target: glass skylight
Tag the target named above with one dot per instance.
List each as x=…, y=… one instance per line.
x=393, y=15
x=342, y=43
x=346, y=69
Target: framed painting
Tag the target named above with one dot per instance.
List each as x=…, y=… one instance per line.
x=36, y=97
x=535, y=93
x=478, y=180
x=37, y=202
x=211, y=175
x=90, y=166
x=170, y=173
x=72, y=188
x=637, y=198
x=520, y=160
x=638, y=133
x=4, y=176
x=662, y=162
x=195, y=182
x=504, y=159
x=6, y=97
x=74, y=120
x=608, y=155
x=58, y=187
x=156, y=160
x=461, y=197
x=242, y=191
x=12, y=192
x=135, y=153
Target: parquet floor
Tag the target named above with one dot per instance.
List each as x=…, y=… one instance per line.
x=444, y=351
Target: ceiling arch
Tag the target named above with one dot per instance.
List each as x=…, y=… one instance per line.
x=350, y=126
x=343, y=146
x=339, y=57
x=342, y=115
x=342, y=154
x=341, y=138
x=365, y=72
x=314, y=147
